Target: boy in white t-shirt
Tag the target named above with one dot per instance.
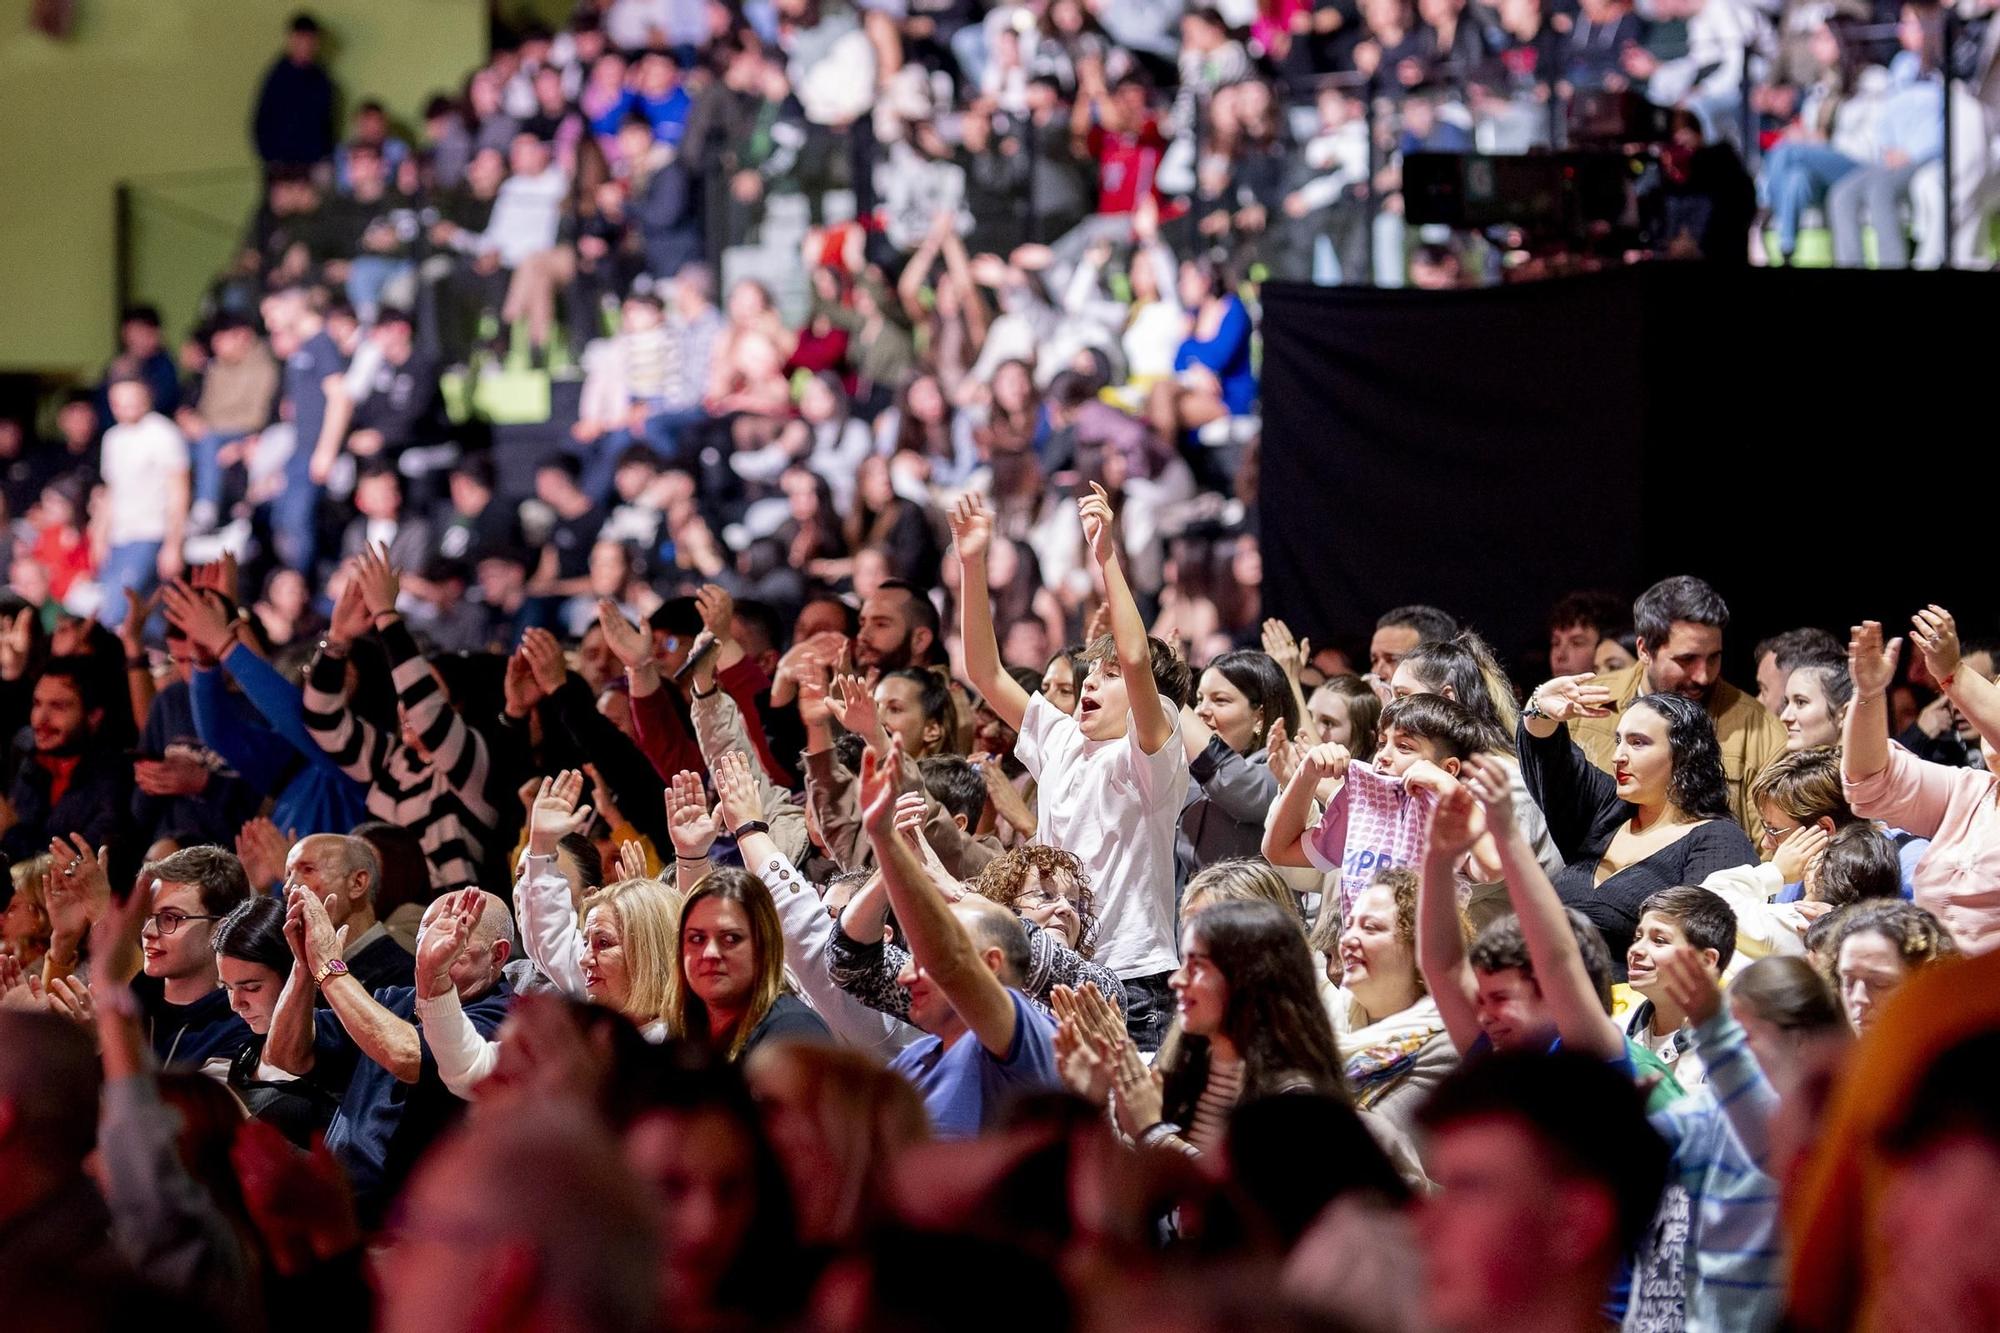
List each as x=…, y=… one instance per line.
x=1112, y=779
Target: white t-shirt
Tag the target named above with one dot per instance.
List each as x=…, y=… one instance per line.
x=139, y=462
x=1115, y=808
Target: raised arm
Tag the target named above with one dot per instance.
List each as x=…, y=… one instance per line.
x=1936, y=635
x=378, y=1034
x=1441, y=953
x=1151, y=718
x=464, y=1058
x=691, y=824
x=542, y=898
x=1575, y=796
x=1864, y=735
x=1545, y=927
x=1746, y=1097
x=971, y=533
x=937, y=940
x=352, y=743
x=1285, y=836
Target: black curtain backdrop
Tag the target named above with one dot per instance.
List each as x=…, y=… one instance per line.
x=1811, y=443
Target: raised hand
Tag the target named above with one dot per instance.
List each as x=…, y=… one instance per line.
x=815, y=709
x=718, y=611
x=1282, y=648
x=114, y=940
x=221, y=575
x=629, y=643
x=1936, y=635
x=1095, y=511
x=1567, y=697
x=79, y=886
x=1491, y=786
x=199, y=618
x=545, y=659
x=878, y=792
x=1871, y=662
x=971, y=529
x=1455, y=824
x=179, y=773
x=132, y=630
x=350, y=612
x=690, y=823
x=554, y=815
x=262, y=850
x=519, y=687
x=1139, y=1104
x=1084, y=1071
x=631, y=860
x=380, y=581
x=1799, y=853
x=1689, y=984
x=440, y=943
x=70, y=997
x=853, y=707
x=1328, y=760
x=319, y=940
x=735, y=790
x=909, y=818
x=17, y=638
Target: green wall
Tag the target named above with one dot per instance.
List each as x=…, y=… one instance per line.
x=158, y=93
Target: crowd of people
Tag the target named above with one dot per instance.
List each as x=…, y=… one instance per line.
x=841, y=839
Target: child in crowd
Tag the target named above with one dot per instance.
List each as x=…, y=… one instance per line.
x=1380, y=817
x=1675, y=918
x=1111, y=779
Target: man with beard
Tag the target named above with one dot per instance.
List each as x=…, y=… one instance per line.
x=899, y=628
x=1678, y=623
x=67, y=783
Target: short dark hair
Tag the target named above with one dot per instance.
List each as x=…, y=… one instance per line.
x=218, y=874
x=1796, y=647
x=140, y=314
x=83, y=676
x=1682, y=597
x=303, y=22
x=923, y=612
x=568, y=464
x=1448, y=725
x=1171, y=677
x=677, y=615
x=255, y=933
x=1501, y=946
x=1602, y=611
x=1466, y=665
x=954, y=784
x=1427, y=621
x=477, y=469
x=1587, y=1116
x=1859, y=862
x=1705, y=918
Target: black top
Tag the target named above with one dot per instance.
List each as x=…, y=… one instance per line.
x=1581, y=803
x=385, y=962
x=789, y=1018
x=187, y=1036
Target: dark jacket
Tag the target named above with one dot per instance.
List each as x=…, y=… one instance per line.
x=95, y=804
x=294, y=120
x=669, y=215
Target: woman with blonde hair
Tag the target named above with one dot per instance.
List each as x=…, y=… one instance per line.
x=24, y=915
x=1238, y=879
x=732, y=992
x=838, y=1120
x=630, y=959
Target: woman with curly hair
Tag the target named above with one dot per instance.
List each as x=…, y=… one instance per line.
x=1659, y=818
x=1878, y=944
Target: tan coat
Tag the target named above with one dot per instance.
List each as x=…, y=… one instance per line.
x=1749, y=736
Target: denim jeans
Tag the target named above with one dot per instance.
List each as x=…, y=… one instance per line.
x=295, y=518
x=134, y=565
x=367, y=276
x=208, y=475
x=1149, y=1006
x=1797, y=176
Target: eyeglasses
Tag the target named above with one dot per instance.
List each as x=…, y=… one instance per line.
x=169, y=921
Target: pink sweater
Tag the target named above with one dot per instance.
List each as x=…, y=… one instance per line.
x=1958, y=809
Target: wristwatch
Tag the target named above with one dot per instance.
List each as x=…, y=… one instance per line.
x=332, y=967
x=749, y=826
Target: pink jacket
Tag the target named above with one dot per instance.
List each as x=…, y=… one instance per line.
x=1958, y=809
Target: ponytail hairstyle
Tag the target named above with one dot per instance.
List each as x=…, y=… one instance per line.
x=1464, y=669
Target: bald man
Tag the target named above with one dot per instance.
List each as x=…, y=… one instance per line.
x=344, y=874
x=395, y=1104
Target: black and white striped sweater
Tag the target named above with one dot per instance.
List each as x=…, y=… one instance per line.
x=441, y=799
